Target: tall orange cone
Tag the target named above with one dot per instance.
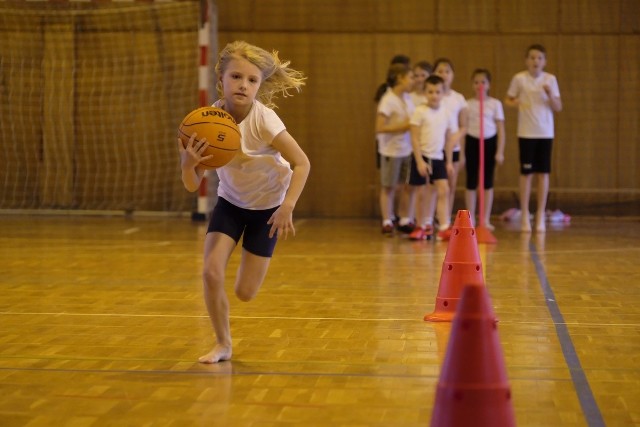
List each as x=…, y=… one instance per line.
x=461, y=266
x=473, y=389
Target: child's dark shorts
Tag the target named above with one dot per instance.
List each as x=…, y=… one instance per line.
x=535, y=155
x=438, y=171
x=234, y=222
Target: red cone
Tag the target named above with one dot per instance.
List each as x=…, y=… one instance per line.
x=473, y=389
x=461, y=266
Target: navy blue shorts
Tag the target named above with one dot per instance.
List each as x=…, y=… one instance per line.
x=438, y=171
x=233, y=221
x=535, y=155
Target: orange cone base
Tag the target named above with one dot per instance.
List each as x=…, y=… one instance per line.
x=484, y=235
x=444, y=311
x=473, y=405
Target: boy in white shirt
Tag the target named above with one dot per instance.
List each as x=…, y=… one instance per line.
x=432, y=127
x=536, y=95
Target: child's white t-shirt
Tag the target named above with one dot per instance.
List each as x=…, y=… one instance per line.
x=396, y=109
x=257, y=177
x=535, y=116
x=492, y=111
x=433, y=124
x=454, y=102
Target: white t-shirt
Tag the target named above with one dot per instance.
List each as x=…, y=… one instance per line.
x=433, y=124
x=454, y=102
x=492, y=111
x=418, y=98
x=258, y=177
x=396, y=109
x=535, y=116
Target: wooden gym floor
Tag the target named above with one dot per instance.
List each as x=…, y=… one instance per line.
x=102, y=323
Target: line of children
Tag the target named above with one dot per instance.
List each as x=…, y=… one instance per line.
x=536, y=95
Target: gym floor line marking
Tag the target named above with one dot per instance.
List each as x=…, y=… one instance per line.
x=588, y=403
x=363, y=319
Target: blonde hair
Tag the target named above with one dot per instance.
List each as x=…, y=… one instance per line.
x=277, y=77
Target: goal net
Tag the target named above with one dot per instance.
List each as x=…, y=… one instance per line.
x=91, y=95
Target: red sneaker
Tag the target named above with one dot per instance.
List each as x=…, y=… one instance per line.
x=444, y=235
x=420, y=233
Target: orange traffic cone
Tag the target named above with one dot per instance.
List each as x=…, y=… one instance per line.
x=461, y=266
x=484, y=235
x=473, y=389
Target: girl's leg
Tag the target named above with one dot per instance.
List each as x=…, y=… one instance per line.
x=543, y=191
x=525, y=194
x=251, y=273
x=488, y=204
x=386, y=203
x=217, y=250
x=470, y=203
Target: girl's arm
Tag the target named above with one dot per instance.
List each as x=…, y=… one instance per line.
x=282, y=219
x=190, y=158
x=501, y=141
x=382, y=125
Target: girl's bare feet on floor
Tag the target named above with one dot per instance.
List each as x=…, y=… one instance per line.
x=219, y=353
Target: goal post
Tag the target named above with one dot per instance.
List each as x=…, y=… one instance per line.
x=91, y=95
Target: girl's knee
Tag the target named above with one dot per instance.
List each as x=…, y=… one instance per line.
x=244, y=294
x=213, y=278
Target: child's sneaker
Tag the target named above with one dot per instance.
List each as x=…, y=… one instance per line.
x=420, y=233
x=387, y=229
x=406, y=228
x=444, y=235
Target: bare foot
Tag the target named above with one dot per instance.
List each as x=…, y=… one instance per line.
x=489, y=226
x=540, y=225
x=219, y=353
x=525, y=225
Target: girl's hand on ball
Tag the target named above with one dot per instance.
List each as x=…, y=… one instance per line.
x=191, y=156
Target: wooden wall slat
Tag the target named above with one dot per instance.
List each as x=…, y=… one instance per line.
x=590, y=16
x=394, y=15
x=587, y=128
x=628, y=173
x=528, y=16
x=463, y=15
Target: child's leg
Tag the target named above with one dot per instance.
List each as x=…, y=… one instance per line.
x=386, y=203
x=217, y=250
x=543, y=191
x=525, y=194
x=431, y=194
x=453, y=181
x=251, y=273
x=407, y=204
x=444, y=213
x=488, y=204
x=420, y=204
x=470, y=203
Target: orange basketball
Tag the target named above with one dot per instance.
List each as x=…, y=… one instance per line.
x=220, y=130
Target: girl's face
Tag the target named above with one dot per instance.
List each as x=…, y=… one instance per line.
x=535, y=62
x=406, y=82
x=445, y=71
x=240, y=82
x=480, y=80
x=419, y=76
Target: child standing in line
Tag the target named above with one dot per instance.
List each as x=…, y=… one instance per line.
x=432, y=127
x=421, y=70
x=536, y=95
x=494, y=139
x=258, y=189
x=457, y=106
x=394, y=144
